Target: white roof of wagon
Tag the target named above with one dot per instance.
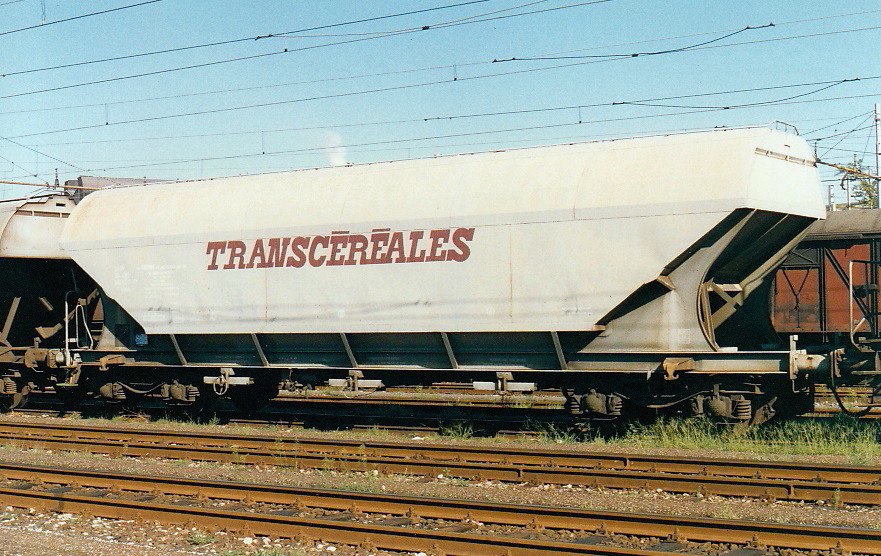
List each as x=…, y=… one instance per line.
x=679, y=174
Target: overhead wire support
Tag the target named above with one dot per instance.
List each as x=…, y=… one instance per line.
x=877, y=117
x=849, y=170
x=10, y=182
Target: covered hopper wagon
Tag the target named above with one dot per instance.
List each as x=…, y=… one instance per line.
x=617, y=271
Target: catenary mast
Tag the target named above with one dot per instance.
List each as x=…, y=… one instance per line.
x=878, y=152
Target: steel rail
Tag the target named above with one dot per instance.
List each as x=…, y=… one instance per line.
x=437, y=399
x=36, y=491
x=307, y=419
x=826, y=412
x=769, y=480
x=465, y=453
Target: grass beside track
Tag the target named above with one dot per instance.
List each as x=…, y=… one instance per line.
x=859, y=441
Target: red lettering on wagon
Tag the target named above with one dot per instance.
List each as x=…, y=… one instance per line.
x=379, y=246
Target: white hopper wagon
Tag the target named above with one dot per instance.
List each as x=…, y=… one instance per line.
x=616, y=270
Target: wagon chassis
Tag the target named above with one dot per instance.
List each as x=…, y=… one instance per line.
x=731, y=386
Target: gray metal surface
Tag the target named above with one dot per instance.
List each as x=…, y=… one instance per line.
x=550, y=239
x=843, y=224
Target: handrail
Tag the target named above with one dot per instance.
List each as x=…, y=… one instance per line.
x=854, y=328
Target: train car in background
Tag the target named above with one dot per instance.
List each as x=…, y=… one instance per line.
x=826, y=295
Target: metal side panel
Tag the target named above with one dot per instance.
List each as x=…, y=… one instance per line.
x=31, y=228
x=528, y=240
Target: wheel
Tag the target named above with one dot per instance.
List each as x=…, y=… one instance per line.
x=203, y=410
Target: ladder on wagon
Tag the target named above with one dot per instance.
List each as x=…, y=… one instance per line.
x=864, y=312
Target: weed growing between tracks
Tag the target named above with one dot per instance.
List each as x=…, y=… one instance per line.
x=458, y=430
x=844, y=438
x=859, y=440
x=200, y=539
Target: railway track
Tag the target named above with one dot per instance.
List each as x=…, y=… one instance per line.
x=827, y=412
x=836, y=484
x=398, y=522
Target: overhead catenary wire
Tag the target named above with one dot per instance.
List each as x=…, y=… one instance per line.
x=432, y=148
x=458, y=65
x=472, y=115
x=308, y=99
x=865, y=116
x=707, y=46
x=240, y=39
x=481, y=17
x=637, y=54
x=334, y=126
x=560, y=139
x=403, y=140
x=851, y=151
x=22, y=168
x=839, y=122
x=420, y=29
x=477, y=133
x=378, y=18
x=383, y=142
x=869, y=136
x=74, y=166
x=846, y=134
x=76, y=17
x=708, y=33
x=762, y=103
x=525, y=120
x=513, y=72
x=511, y=142
x=318, y=97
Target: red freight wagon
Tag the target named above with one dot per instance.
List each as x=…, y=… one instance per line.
x=811, y=292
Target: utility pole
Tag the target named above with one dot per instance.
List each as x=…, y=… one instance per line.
x=847, y=181
x=878, y=153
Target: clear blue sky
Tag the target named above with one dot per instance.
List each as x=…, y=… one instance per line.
x=811, y=42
